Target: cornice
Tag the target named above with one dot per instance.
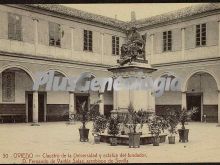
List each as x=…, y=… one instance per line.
x=49, y=59
x=186, y=62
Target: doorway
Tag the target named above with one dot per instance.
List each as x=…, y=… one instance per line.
x=29, y=106
x=41, y=106
x=79, y=99
x=195, y=100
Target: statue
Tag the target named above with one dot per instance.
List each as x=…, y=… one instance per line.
x=134, y=49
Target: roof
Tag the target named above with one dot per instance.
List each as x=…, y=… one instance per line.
x=158, y=19
x=175, y=15
x=80, y=14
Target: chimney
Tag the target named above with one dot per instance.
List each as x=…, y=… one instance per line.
x=133, y=16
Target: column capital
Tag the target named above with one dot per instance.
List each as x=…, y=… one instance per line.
x=71, y=92
x=183, y=28
x=152, y=34
x=35, y=19
x=184, y=92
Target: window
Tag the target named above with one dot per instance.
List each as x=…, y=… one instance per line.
x=115, y=45
x=8, y=86
x=167, y=41
x=87, y=40
x=54, y=34
x=14, y=27
x=201, y=34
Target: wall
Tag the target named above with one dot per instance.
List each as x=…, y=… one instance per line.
x=65, y=52
x=191, y=51
x=22, y=83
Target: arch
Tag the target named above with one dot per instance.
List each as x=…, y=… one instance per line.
x=25, y=69
x=184, y=84
x=58, y=70
x=168, y=73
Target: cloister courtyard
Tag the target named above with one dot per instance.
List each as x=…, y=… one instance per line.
x=49, y=141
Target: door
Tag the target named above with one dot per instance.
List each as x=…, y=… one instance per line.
x=79, y=100
x=30, y=107
x=41, y=106
x=195, y=101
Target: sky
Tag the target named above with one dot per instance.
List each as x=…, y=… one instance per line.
x=123, y=10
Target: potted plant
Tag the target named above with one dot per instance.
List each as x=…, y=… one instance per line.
x=84, y=115
x=122, y=124
x=99, y=126
x=172, y=120
x=183, y=116
x=113, y=129
x=134, y=119
x=157, y=125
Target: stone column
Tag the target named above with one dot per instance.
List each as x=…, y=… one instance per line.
x=151, y=48
x=35, y=108
x=115, y=103
x=71, y=104
x=101, y=104
x=219, y=108
x=102, y=46
x=183, y=105
x=72, y=40
x=151, y=101
x=219, y=37
x=35, y=34
x=183, y=42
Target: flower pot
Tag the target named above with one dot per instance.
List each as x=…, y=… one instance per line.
x=122, y=132
x=114, y=141
x=134, y=140
x=183, y=135
x=171, y=139
x=97, y=139
x=156, y=141
x=84, y=133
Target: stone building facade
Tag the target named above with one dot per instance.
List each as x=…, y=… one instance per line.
x=38, y=38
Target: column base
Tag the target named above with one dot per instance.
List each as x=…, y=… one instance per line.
x=70, y=123
x=218, y=125
x=35, y=124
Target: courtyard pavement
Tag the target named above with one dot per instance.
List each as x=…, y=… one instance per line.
x=58, y=142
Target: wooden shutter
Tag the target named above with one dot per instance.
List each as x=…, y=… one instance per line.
x=28, y=29
x=212, y=33
x=158, y=42
x=4, y=25
x=43, y=32
x=176, y=39
x=66, y=37
x=190, y=34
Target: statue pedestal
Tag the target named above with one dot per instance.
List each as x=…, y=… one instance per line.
x=141, y=99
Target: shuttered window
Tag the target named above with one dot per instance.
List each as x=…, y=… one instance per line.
x=115, y=45
x=54, y=34
x=87, y=40
x=201, y=34
x=167, y=41
x=14, y=27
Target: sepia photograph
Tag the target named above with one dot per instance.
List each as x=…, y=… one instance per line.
x=109, y=83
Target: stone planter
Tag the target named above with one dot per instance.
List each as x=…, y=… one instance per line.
x=134, y=140
x=113, y=141
x=84, y=134
x=171, y=139
x=97, y=139
x=156, y=141
x=183, y=135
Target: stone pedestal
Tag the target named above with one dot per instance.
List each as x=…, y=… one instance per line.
x=141, y=99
